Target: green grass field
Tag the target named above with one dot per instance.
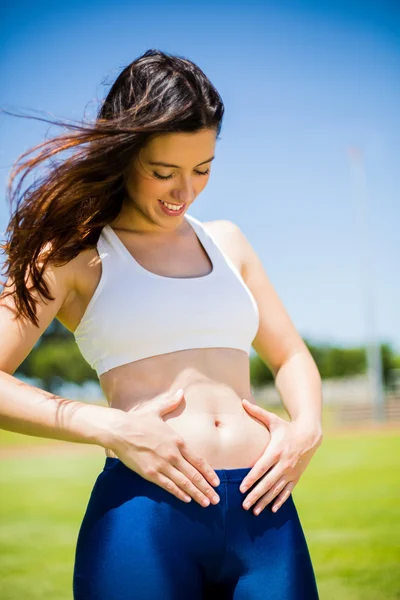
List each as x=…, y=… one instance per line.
x=348, y=501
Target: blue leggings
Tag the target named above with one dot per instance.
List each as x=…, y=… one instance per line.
x=139, y=542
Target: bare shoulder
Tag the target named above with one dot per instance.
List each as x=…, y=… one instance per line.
x=221, y=227
x=277, y=337
x=230, y=239
x=19, y=334
x=86, y=268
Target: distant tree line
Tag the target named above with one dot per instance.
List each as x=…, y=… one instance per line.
x=56, y=357
x=333, y=362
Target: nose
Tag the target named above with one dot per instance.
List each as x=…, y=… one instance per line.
x=184, y=192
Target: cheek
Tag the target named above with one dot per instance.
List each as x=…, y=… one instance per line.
x=141, y=184
x=147, y=187
x=155, y=189
x=201, y=184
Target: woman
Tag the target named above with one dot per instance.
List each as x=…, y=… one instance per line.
x=165, y=308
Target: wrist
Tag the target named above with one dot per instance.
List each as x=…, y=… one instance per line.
x=312, y=427
x=109, y=427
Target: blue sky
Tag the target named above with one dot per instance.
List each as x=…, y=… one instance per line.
x=301, y=82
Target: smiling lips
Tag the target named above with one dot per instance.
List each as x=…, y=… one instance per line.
x=172, y=206
x=172, y=209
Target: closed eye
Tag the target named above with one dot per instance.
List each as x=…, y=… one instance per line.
x=170, y=176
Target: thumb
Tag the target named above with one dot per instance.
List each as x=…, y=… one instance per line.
x=168, y=404
x=260, y=413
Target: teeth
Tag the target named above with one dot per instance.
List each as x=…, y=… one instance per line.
x=172, y=206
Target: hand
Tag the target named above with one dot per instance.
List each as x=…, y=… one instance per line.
x=149, y=446
x=284, y=460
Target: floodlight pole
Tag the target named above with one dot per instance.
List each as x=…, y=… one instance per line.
x=374, y=359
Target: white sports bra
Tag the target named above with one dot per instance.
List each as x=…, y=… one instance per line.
x=135, y=313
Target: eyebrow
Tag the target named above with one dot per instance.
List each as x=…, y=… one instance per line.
x=163, y=164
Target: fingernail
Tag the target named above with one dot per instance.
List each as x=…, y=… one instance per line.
x=215, y=481
x=244, y=488
x=246, y=505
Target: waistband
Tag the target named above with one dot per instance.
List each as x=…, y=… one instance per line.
x=224, y=475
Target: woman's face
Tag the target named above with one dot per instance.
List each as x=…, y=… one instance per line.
x=147, y=183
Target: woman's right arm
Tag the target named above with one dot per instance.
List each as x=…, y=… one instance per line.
x=27, y=409
x=141, y=439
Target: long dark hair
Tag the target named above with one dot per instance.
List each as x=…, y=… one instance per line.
x=63, y=212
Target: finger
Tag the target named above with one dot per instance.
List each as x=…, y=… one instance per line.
x=268, y=497
x=263, y=415
x=284, y=495
x=262, y=466
x=191, y=482
x=200, y=464
x=171, y=487
x=262, y=488
x=166, y=405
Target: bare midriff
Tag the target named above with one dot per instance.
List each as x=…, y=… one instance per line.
x=211, y=417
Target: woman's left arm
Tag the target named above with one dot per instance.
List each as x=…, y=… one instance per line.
x=297, y=379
